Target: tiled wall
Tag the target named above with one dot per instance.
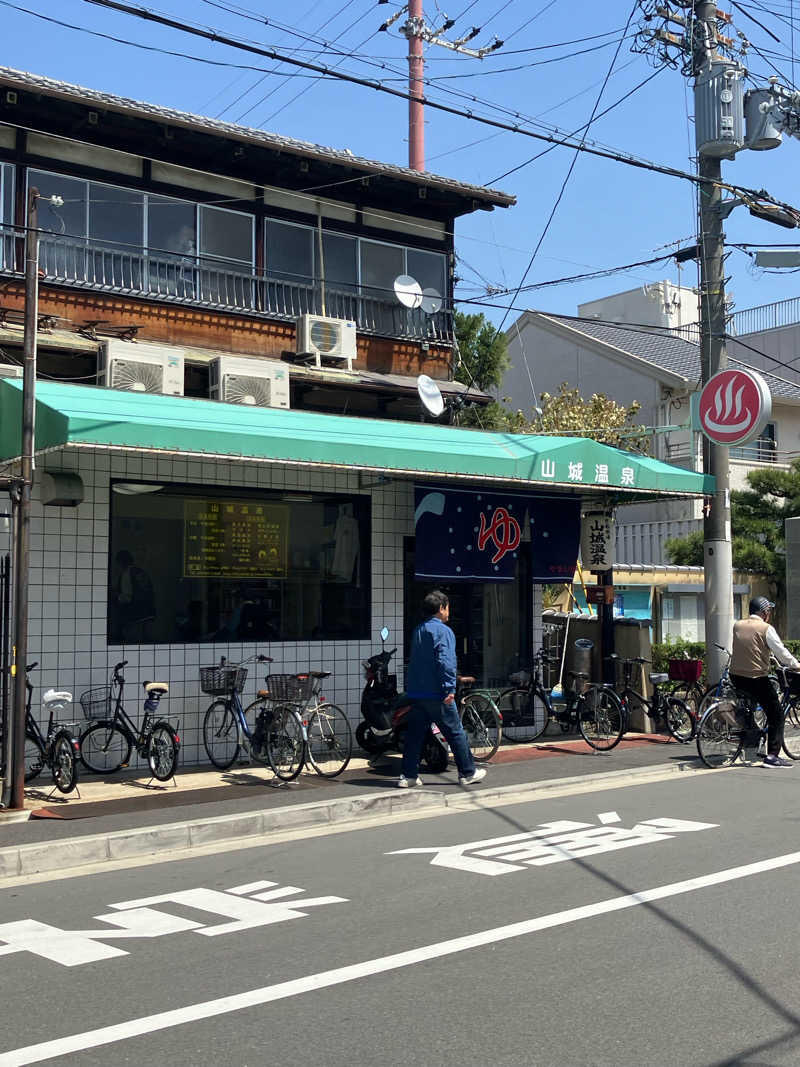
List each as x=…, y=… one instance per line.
x=69, y=580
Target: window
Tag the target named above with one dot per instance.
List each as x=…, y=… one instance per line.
x=762, y=450
x=7, y=203
x=380, y=265
x=197, y=565
x=428, y=268
x=226, y=235
x=290, y=254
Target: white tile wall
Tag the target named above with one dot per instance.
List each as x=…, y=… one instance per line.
x=68, y=590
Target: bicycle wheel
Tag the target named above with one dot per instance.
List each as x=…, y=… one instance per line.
x=63, y=762
x=691, y=694
x=524, y=715
x=720, y=733
x=221, y=734
x=257, y=716
x=791, y=729
x=482, y=725
x=162, y=751
x=601, y=718
x=330, y=740
x=709, y=697
x=680, y=721
x=286, y=742
x=104, y=748
x=34, y=758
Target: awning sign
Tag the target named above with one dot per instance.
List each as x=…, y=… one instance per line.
x=471, y=535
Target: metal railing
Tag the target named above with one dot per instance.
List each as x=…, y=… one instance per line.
x=766, y=317
x=205, y=282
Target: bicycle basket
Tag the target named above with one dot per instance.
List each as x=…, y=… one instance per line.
x=220, y=681
x=685, y=670
x=792, y=682
x=290, y=686
x=96, y=703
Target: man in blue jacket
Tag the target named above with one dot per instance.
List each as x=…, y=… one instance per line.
x=431, y=684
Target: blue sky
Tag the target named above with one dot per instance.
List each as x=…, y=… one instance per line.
x=610, y=214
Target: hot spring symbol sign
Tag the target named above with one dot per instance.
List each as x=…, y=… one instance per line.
x=734, y=407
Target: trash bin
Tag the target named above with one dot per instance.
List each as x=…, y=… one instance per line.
x=582, y=658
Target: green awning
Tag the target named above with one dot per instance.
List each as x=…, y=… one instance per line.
x=79, y=416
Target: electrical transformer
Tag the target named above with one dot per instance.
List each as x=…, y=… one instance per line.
x=719, y=109
x=760, y=120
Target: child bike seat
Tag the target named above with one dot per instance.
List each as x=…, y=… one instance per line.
x=59, y=696
x=155, y=687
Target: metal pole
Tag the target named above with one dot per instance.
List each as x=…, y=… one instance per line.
x=717, y=551
x=23, y=501
x=416, y=75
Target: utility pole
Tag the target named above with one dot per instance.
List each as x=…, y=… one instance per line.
x=22, y=503
x=717, y=551
x=418, y=33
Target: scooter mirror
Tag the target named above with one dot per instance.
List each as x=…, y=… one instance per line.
x=385, y=633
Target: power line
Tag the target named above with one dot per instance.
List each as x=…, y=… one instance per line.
x=618, y=157
x=571, y=168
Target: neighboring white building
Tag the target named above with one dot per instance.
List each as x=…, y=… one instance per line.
x=662, y=304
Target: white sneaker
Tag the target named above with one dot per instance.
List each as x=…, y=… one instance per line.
x=406, y=783
x=477, y=776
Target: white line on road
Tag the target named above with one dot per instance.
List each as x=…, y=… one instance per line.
x=148, y=1024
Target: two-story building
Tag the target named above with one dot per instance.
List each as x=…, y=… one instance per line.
x=231, y=451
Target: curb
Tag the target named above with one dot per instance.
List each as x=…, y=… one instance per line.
x=51, y=856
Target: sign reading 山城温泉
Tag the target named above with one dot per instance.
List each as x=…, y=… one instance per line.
x=471, y=535
x=733, y=407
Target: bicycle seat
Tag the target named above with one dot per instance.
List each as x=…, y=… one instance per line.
x=57, y=696
x=320, y=674
x=466, y=679
x=579, y=674
x=658, y=679
x=263, y=694
x=155, y=687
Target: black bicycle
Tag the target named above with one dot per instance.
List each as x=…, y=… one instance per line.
x=106, y=744
x=56, y=749
x=677, y=716
x=593, y=709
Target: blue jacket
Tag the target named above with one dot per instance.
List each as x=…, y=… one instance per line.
x=432, y=665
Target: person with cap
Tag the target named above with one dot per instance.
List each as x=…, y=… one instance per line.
x=754, y=641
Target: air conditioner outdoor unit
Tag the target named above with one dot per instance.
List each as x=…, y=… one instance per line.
x=257, y=382
x=142, y=368
x=328, y=339
x=10, y=370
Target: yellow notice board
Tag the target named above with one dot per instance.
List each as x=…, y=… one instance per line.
x=234, y=539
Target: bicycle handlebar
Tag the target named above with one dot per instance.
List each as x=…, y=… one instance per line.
x=118, y=666
x=31, y=666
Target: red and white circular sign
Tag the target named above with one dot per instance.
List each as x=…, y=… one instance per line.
x=734, y=407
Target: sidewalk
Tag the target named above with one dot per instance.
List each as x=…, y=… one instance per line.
x=125, y=815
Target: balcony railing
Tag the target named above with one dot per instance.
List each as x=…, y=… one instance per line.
x=219, y=286
x=761, y=452
x=766, y=317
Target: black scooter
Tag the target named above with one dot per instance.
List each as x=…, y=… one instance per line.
x=384, y=712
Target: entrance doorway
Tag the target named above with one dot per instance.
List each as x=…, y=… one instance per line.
x=492, y=621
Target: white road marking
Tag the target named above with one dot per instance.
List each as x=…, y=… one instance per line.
x=149, y=1024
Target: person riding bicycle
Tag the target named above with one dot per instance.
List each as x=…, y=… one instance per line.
x=754, y=641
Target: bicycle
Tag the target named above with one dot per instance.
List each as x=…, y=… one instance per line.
x=57, y=748
x=736, y=723
x=676, y=715
x=105, y=745
x=227, y=726
x=594, y=709
x=481, y=719
x=304, y=726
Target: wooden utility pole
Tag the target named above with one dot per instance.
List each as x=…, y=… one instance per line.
x=717, y=550
x=22, y=503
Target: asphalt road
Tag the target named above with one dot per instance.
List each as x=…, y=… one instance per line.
x=599, y=935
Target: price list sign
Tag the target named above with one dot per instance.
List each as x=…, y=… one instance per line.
x=234, y=539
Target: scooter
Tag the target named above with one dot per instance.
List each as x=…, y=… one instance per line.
x=385, y=713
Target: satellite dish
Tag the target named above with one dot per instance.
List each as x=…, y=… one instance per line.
x=431, y=395
x=408, y=291
x=431, y=301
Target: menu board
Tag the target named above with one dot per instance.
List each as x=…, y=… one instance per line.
x=234, y=539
